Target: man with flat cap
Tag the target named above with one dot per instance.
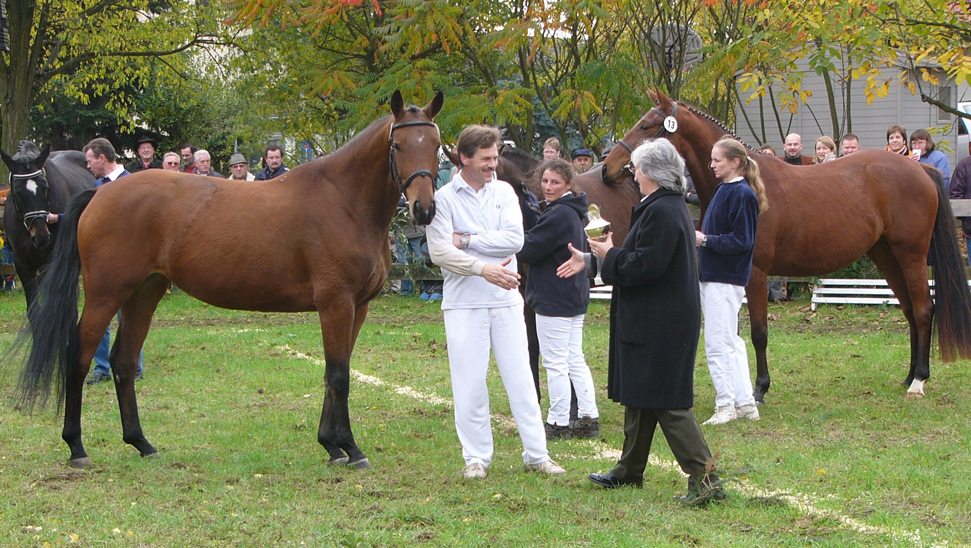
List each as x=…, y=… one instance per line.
x=582, y=160
x=239, y=168
x=146, y=155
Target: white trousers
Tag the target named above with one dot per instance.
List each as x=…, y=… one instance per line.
x=725, y=349
x=470, y=334
x=561, y=344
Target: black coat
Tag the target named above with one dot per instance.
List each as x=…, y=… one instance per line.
x=136, y=166
x=655, y=309
x=545, y=249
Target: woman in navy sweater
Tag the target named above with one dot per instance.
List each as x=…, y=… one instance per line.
x=560, y=303
x=727, y=242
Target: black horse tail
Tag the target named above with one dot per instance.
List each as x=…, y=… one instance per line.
x=952, y=308
x=53, y=317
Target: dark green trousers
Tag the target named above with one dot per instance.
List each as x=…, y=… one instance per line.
x=684, y=437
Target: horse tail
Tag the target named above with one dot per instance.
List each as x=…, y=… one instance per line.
x=53, y=317
x=953, y=299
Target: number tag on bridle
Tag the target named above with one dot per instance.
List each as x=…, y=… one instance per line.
x=670, y=124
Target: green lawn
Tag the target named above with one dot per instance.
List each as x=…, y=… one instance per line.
x=232, y=401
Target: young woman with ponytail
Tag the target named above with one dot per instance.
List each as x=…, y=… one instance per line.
x=727, y=245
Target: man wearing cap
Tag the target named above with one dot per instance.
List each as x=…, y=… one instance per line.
x=582, y=160
x=239, y=168
x=146, y=156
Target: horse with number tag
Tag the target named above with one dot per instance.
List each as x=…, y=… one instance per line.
x=822, y=218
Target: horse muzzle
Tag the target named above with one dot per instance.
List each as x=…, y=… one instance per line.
x=421, y=215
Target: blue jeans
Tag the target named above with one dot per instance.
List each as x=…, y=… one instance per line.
x=101, y=364
x=412, y=253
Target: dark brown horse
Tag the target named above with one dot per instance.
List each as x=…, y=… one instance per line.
x=822, y=218
x=322, y=232
x=41, y=182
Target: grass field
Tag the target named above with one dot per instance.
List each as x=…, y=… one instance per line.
x=232, y=401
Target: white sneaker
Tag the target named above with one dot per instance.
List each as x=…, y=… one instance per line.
x=547, y=467
x=723, y=414
x=474, y=470
x=750, y=412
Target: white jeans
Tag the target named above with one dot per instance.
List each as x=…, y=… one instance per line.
x=561, y=343
x=725, y=349
x=470, y=334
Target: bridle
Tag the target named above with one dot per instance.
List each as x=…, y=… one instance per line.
x=393, y=165
x=662, y=131
x=28, y=217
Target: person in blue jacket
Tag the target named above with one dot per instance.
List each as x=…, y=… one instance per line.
x=727, y=247
x=560, y=303
x=921, y=140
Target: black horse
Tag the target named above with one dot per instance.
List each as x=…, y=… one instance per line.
x=41, y=182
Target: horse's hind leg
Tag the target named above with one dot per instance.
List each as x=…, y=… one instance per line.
x=909, y=284
x=758, y=309
x=91, y=328
x=136, y=319
x=340, y=326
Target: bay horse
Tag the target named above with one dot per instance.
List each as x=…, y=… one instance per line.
x=822, y=218
x=322, y=231
x=41, y=182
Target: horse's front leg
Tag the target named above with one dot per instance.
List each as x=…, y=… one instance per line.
x=339, y=326
x=758, y=302
x=28, y=280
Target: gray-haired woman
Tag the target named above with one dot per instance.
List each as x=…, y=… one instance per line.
x=655, y=323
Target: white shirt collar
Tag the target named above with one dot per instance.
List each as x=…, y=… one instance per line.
x=115, y=173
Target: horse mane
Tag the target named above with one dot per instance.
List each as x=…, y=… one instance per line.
x=28, y=149
x=718, y=123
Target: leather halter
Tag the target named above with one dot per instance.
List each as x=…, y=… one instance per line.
x=28, y=217
x=393, y=165
x=661, y=131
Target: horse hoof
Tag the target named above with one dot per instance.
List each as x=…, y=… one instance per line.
x=338, y=461
x=916, y=390
x=361, y=464
x=154, y=455
x=83, y=463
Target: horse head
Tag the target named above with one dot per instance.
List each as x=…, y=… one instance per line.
x=654, y=124
x=415, y=142
x=30, y=190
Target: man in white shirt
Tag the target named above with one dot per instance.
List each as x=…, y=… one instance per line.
x=474, y=237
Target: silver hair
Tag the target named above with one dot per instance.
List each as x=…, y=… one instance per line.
x=660, y=162
x=199, y=154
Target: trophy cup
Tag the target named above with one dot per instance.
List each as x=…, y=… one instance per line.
x=597, y=228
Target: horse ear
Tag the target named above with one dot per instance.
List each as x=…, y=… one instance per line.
x=397, y=104
x=452, y=156
x=652, y=93
x=42, y=158
x=6, y=159
x=435, y=105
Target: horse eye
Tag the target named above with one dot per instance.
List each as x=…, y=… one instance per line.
x=645, y=127
x=396, y=146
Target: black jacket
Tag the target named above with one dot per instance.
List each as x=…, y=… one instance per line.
x=136, y=166
x=655, y=309
x=265, y=174
x=545, y=249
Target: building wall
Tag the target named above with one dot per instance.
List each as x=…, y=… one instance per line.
x=869, y=121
